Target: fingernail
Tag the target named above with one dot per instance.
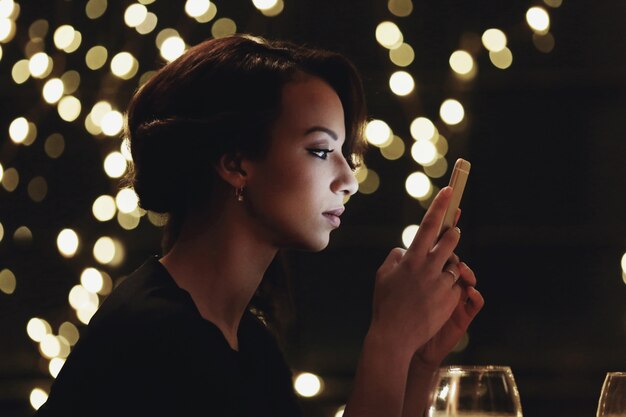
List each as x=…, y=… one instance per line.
x=457, y=230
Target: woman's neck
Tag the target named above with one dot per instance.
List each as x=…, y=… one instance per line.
x=220, y=264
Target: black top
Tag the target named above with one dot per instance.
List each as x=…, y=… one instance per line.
x=148, y=352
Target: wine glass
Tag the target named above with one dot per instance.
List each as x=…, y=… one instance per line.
x=612, y=400
x=473, y=391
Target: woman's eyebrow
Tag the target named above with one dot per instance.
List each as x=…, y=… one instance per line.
x=326, y=130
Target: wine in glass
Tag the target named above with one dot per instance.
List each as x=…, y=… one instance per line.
x=475, y=391
x=612, y=402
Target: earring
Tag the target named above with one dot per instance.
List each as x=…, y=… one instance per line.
x=239, y=193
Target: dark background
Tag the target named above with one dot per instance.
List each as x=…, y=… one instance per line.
x=543, y=214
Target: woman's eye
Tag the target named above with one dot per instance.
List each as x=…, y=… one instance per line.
x=321, y=153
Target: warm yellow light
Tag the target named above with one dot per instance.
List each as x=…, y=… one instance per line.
x=400, y=8
x=308, y=385
x=86, y=313
x=501, y=59
x=494, y=40
x=438, y=169
x=18, y=130
x=408, y=234
x=50, y=346
x=196, y=8
x=37, y=189
x=71, y=81
x=38, y=29
x=124, y=65
x=135, y=15
x=69, y=108
x=1, y=227
x=148, y=24
x=401, y=83
x=10, y=179
x=95, y=8
x=223, y=27
x=38, y=397
x=7, y=281
x=127, y=221
x=1, y=175
x=7, y=29
x=403, y=55
x=115, y=164
x=370, y=183
x=70, y=332
x=0, y=52
x=104, y=208
x=63, y=36
x=451, y=112
x=544, y=42
x=55, y=366
x=378, y=133
x=40, y=65
x=125, y=150
x=538, y=19
x=23, y=235
x=104, y=250
x=275, y=10
x=67, y=242
x=623, y=263
x=394, y=150
x=37, y=328
x=461, y=62
x=424, y=152
x=418, y=185
x=388, y=34
x=172, y=48
x=80, y=298
x=99, y=110
x=553, y=3
x=52, y=90
x=164, y=34
x=264, y=4
x=212, y=12
x=422, y=128
x=91, y=279
x=112, y=123
x=96, y=57
x=20, y=72
x=54, y=145
x=6, y=8
x=75, y=44
x=126, y=200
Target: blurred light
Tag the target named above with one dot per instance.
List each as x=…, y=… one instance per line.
x=80, y=298
x=501, y=59
x=388, y=34
x=23, y=235
x=275, y=10
x=401, y=83
x=6, y=8
x=172, y=48
x=623, y=263
x=75, y=44
x=55, y=366
x=127, y=221
x=37, y=398
x=71, y=81
x=53, y=90
x=91, y=279
x=148, y=25
x=538, y=19
x=462, y=343
x=264, y=4
x=67, y=242
x=69, y=108
x=37, y=328
x=31, y=135
x=20, y=71
x=125, y=150
x=340, y=410
x=50, y=346
x=7, y=30
x=10, y=179
x=1, y=175
x=107, y=251
x=40, y=65
x=400, y=8
x=37, y=189
x=451, y=112
x=126, y=200
x=115, y=164
x=360, y=173
x=146, y=1
x=54, y=145
x=135, y=15
x=7, y=281
x=393, y=150
x=437, y=169
x=308, y=385
x=70, y=332
x=494, y=40
x=112, y=123
x=422, y=128
x=370, y=183
x=418, y=185
x=104, y=208
x=38, y=29
x=424, y=152
x=63, y=36
x=543, y=42
x=403, y=55
x=210, y=14
x=0, y=52
x=107, y=284
x=378, y=133
x=86, y=313
x=18, y=129
x=33, y=46
x=145, y=77
x=164, y=34
x=553, y=3
x=96, y=57
x=95, y=8
x=157, y=219
x=196, y=8
x=124, y=65
x=408, y=234
x=461, y=62
x=223, y=27
x=99, y=110
x=1, y=227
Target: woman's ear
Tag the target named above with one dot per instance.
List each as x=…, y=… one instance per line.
x=229, y=168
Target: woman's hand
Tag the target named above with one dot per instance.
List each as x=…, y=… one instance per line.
x=414, y=297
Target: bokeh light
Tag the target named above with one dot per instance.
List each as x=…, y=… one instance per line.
x=388, y=34
x=418, y=185
x=538, y=19
x=408, y=234
x=401, y=83
x=67, y=242
x=308, y=384
x=494, y=40
x=451, y=112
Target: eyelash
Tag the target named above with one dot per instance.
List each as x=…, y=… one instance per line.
x=320, y=153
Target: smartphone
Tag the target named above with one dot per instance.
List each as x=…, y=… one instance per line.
x=458, y=179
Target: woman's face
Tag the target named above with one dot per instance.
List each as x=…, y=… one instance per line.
x=295, y=194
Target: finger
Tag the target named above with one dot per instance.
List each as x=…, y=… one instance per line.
x=467, y=275
x=452, y=271
x=431, y=223
x=474, y=302
x=442, y=252
x=392, y=259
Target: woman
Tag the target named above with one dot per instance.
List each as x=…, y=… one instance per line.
x=249, y=147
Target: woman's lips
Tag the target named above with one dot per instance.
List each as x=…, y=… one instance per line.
x=333, y=216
